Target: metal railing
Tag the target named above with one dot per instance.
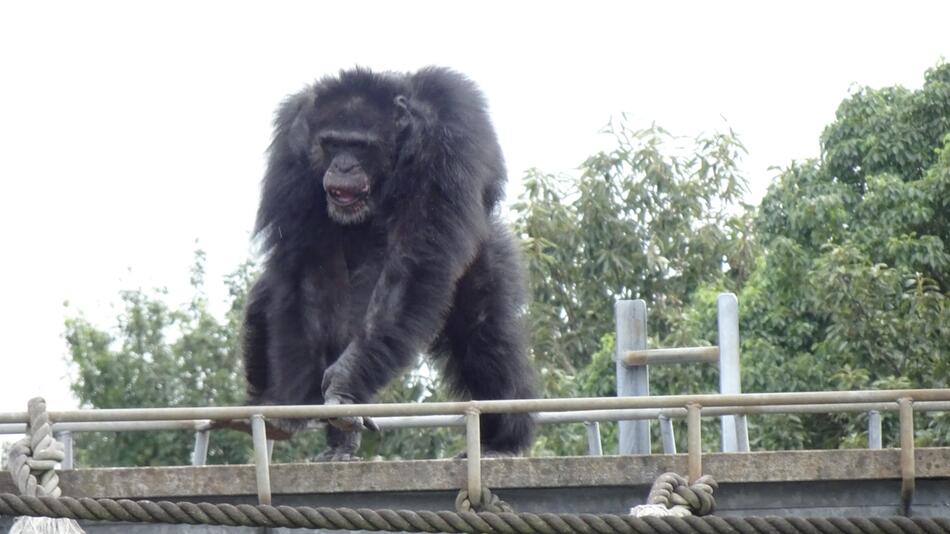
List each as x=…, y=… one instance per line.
x=692, y=407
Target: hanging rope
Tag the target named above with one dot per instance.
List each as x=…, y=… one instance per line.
x=409, y=521
x=32, y=463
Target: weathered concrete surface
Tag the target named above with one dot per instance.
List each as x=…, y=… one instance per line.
x=442, y=475
x=838, y=483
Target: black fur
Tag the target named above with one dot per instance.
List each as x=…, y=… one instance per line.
x=352, y=289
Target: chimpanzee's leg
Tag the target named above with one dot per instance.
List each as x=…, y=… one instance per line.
x=486, y=343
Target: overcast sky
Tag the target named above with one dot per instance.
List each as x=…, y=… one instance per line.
x=129, y=130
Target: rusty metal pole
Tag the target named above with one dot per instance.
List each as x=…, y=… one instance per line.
x=694, y=442
x=908, y=463
x=261, y=463
x=473, y=451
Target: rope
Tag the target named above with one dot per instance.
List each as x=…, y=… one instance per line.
x=422, y=521
x=490, y=503
x=672, y=494
x=33, y=459
x=32, y=463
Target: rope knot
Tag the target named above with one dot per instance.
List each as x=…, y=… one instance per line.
x=33, y=459
x=489, y=503
x=672, y=494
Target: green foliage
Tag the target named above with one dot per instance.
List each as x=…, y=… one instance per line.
x=648, y=219
x=160, y=356
x=853, y=289
x=652, y=218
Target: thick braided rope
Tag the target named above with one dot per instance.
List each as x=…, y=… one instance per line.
x=410, y=521
x=671, y=489
x=33, y=459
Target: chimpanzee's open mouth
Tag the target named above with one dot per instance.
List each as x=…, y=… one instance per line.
x=346, y=197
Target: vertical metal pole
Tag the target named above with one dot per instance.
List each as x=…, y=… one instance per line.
x=594, y=447
x=875, y=439
x=908, y=463
x=66, y=437
x=261, y=467
x=694, y=442
x=200, y=455
x=473, y=451
x=270, y=450
x=666, y=435
x=631, y=325
x=727, y=307
x=742, y=429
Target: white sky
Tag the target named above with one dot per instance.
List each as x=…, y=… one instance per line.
x=129, y=130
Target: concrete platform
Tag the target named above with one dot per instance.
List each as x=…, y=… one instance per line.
x=834, y=483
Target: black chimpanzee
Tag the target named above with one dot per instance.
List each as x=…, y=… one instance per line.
x=378, y=217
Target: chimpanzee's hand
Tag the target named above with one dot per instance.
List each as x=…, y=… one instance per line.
x=335, y=392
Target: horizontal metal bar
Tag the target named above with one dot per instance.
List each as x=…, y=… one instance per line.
x=493, y=406
x=579, y=416
x=113, y=426
x=420, y=421
x=672, y=356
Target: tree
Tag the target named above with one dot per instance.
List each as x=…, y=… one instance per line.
x=852, y=291
x=652, y=218
x=160, y=356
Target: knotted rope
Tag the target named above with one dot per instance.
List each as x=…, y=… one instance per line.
x=32, y=463
x=490, y=503
x=672, y=494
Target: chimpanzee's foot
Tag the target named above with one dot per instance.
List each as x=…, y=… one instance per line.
x=334, y=454
x=349, y=424
x=341, y=446
x=488, y=452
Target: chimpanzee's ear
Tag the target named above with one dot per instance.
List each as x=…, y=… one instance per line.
x=403, y=113
x=292, y=126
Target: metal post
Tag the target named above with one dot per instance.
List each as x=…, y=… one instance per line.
x=666, y=435
x=875, y=440
x=908, y=463
x=631, y=325
x=66, y=438
x=694, y=442
x=270, y=450
x=200, y=455
x=727, y=307
x=742, y=429
x=261, y=467
x=594, y=447
x=473, y=453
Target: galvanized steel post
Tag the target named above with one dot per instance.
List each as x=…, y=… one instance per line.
x=66, y=437
x=727, y=307
x=200, y=454
x=875, y=439
x=631, y=328
x=594, y=446
x=666, y=435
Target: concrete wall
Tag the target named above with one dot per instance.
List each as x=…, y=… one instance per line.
x=842, y=483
